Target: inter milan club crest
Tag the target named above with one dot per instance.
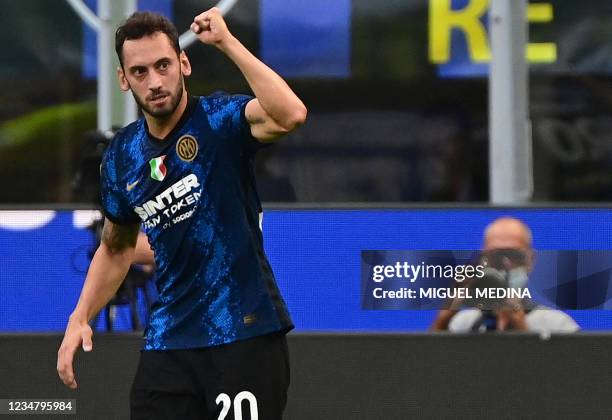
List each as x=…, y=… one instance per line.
x=187, y=148
x=158, y=169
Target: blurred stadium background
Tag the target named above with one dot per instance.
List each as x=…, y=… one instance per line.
x=395, y=155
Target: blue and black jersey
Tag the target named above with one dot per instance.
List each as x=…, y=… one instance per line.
x=194, y=193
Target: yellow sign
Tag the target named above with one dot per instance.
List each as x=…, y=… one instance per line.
x=443, y=20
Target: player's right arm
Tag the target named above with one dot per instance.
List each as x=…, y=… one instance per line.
x=143, y=254
x=107, y=271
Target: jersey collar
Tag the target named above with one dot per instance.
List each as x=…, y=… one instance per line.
x=191, y=105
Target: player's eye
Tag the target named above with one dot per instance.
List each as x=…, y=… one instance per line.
x=163, y=66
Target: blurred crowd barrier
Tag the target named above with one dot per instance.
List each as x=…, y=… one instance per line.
x=317, y=260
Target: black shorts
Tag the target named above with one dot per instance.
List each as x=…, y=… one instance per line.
x=245, y=380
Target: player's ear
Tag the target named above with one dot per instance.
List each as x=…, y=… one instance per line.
x=185, y=64
x=123, y=83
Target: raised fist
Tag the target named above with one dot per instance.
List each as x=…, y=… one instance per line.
x=210, y=27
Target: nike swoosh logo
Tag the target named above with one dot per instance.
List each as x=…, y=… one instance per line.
x=131, y=186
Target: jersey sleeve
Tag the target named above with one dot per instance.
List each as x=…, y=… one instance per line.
x=229, y=116
x=114, y=203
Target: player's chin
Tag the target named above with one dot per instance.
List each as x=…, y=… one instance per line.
x=160, y=111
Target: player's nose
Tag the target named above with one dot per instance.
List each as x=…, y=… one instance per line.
x=155, y=82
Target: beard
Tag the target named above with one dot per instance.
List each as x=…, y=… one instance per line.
x=163, y=111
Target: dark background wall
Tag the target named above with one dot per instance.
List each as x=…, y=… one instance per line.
x=385, y=123
x=339, y=376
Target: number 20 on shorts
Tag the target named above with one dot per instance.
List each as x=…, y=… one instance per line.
x=240, y=397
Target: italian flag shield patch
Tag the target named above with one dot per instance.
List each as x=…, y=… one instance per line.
x=158, y=169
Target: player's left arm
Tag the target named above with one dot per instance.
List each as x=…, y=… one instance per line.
x=276, y=109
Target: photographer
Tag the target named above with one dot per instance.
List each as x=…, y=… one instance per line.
x=509, y=256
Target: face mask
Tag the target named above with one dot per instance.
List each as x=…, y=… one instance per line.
x=517, y=277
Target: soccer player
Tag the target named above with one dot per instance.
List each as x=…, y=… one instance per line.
x=215, y=344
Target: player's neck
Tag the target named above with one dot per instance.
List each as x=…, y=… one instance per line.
x=161, y=127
